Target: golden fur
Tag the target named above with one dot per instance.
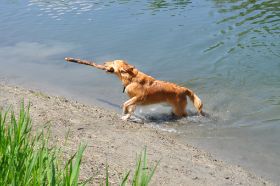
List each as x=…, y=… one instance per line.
x=144, y=90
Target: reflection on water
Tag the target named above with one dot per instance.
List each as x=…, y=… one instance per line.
x=251, y=24
x=168, y=5
x=243, y=24
x=26, y=52
x=57, y=8
x=265, y=13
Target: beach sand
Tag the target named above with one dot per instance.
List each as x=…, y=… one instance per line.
x=117, y=143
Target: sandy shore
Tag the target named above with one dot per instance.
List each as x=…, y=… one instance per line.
x=111, y=140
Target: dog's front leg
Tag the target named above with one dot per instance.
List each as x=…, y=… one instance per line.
x=128, y=107
x=127, y=103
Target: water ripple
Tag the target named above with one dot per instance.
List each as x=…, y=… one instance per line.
x=77, y=7
x=58, y=8
x=256, y=25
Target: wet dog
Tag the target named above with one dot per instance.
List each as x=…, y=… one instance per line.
x=145, y=90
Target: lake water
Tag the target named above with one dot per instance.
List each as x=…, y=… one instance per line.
x=227, y=51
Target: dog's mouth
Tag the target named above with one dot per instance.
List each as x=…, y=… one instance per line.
x=110, y=70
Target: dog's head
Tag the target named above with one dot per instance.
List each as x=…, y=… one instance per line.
x=118, y=67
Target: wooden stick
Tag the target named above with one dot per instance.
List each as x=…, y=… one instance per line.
x=85, y=62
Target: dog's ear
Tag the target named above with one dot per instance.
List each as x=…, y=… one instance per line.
x=126, y=68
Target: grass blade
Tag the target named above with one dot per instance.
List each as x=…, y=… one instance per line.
x=123, y=183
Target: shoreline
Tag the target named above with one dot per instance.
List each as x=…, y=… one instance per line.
x=111, y=140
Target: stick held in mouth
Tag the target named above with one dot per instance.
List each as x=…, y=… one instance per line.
x=85, y=62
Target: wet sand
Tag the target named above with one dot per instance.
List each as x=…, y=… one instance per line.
x=111, y=140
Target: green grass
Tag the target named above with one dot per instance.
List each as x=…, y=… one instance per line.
x=27, y=159
x=142, y=173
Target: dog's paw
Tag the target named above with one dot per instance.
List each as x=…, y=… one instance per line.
x=125, y=117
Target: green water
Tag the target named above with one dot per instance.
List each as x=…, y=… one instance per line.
x=227, y=51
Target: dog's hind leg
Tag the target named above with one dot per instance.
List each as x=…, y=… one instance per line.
x=179, y=107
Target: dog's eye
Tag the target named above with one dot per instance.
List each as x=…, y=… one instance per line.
x=111, y=70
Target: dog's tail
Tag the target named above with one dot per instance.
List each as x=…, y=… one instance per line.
x=195, y=99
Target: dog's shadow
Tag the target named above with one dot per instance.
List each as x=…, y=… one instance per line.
x=109, y=103
x=159, y=118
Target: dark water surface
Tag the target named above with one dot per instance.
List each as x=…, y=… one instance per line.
x=227, y=51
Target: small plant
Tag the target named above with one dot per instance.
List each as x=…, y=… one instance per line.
x=142, y=173
x=28, y=160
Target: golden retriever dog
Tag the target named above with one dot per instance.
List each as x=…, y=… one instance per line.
x=145, y=90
